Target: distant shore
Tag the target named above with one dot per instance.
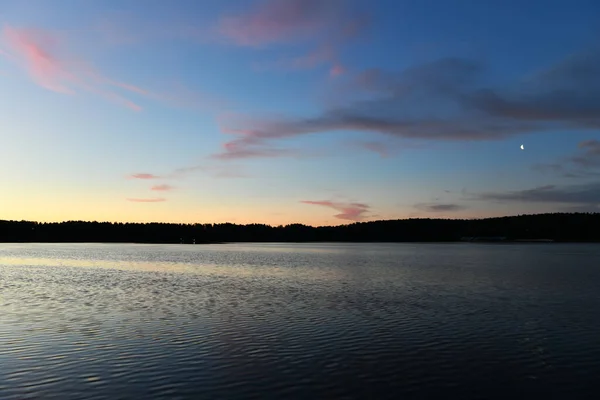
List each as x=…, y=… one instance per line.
x=474, y=242
x=538, y=228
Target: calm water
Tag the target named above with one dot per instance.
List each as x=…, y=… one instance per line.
x=293, y=321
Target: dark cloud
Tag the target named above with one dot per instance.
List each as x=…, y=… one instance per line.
x=582, y=174
x=567, y=93
x=435, y=207
x=574, y=194
x=590, y=157
x=584, y=164
x=449, y=99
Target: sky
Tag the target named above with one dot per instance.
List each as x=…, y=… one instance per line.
x=321, y=112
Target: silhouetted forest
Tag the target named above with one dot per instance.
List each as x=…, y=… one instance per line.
x=560, y=227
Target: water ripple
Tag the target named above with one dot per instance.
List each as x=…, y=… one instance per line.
x=326, y=321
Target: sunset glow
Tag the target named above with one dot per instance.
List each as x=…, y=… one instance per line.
x=297, y=111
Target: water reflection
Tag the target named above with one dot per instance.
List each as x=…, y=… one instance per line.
x=239, y=321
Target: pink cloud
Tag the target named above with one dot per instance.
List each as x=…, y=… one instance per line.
x=337, y=70
x=39, y=52
x=162, y=188
x=149, y=200
x=42, y=54
x=347, y=211
x=325, y=25
x=144, y=176
x=278, y=21
x=34, y=48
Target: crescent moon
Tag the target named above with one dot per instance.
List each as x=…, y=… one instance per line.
x=522, y=147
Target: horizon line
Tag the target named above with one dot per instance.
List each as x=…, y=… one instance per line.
x=295, y=223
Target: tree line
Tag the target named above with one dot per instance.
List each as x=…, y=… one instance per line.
x=561, y=227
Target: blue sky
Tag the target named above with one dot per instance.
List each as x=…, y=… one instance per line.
x=282, y=111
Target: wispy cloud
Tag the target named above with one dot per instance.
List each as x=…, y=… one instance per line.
x=144, y=175
x=325, y=26
x=437, y=207
x=45, y=57
x=460, y=105
x=162, y=188
x=590, y=156
x=276, y=21
x=236, y=151
x=149, y=200
x=43, y=66
x=584, y=164
x=347, y=211
x=215, y=170
x=572, y=194
x=42, y=54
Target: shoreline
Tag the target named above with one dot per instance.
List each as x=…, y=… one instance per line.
x=520, y=241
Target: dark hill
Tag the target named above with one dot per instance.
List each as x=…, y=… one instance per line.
x=560, y=227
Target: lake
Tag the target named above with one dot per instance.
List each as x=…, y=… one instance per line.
x=241, y=321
